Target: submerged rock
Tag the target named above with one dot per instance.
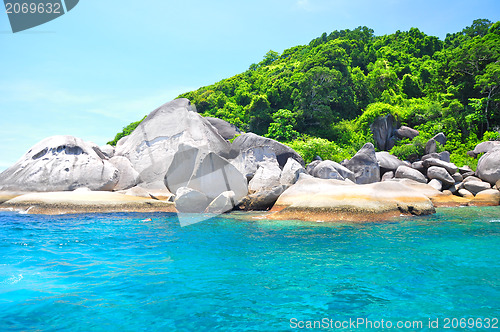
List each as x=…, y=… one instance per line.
x=60, y=163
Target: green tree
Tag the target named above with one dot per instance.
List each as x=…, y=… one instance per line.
x=283, y=126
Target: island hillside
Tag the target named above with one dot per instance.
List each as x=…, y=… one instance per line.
x=318, y=133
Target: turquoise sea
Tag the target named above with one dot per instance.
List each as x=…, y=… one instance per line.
x=115, y=272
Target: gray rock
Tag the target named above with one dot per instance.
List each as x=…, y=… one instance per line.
x=331, y=170
x=388, y=162
x=435, y=172
x=152, y=145
x=310, y=167
x=262, y=200
x=465, y=169
x=108, y=150
x=435, y=183
x=184, y=163
x=419, y=166
x=476, y=186
x=488, y=166
x=468, y=174
x=440, y=138
x=387, y=176
x=383, y=132
x=225, y=129
x=188, y=200
x=364, y=165
x=405, y=172
x=291, y=171
x=472, y=178
x=485, y=147
x=157, y=189
x=457, y=177
x=430, y=146
x=121, y=141
x=248, y=141
x=465, y=193
x=128, y=176
x=222, y=203
x=453, y=189
x=60, y=163
x=451, y=168
x=247, y=162
x=488, y=197
x=430, y=155
x=407, y=132
x=444, y=156
x=215, y=175
x=267, y=176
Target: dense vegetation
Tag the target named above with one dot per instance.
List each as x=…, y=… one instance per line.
x=321, y=98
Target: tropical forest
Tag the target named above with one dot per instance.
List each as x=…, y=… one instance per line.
x=321, y=98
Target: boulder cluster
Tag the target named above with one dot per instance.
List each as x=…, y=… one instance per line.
x=175, y=155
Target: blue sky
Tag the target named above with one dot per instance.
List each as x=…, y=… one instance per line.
x=107, y=63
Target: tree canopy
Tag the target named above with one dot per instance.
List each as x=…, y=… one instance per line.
x=324, y=88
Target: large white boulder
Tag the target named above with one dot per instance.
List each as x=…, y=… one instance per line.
x=215, y=175
x=60, y=163
x=188, y=200
x=488, y=166
x=333, y=200
x=249, y=141
x=267, y=176
x=291, y=171
x=128, y=177
x=152, y=145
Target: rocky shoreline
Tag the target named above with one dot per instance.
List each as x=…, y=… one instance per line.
x=178, y=161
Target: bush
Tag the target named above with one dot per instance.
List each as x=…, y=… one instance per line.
x=310, y=147
x=126, y=131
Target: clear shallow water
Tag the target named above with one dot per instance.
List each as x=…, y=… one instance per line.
x=113, y=272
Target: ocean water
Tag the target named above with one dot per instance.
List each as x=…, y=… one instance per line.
x=115, y=272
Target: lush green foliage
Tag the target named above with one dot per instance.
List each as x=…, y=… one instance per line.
x=126, y=131
x=310, y=147
x=334, y=87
